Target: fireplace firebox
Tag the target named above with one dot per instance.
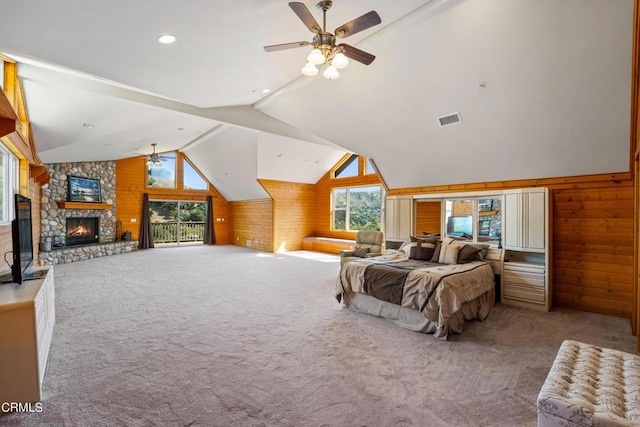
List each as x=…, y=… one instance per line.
x=82, y=231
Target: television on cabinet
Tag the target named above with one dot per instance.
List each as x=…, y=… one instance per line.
x=22, y=239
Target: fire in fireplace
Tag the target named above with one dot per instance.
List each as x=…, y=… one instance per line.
x=82, y=231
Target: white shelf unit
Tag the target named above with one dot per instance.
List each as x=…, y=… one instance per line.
x=27, y=318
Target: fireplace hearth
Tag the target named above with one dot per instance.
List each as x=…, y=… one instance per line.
x=82, y=231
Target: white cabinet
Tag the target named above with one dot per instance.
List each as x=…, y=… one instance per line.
x=27, y=317
x=398, y=219
x=525, y=219
x=526, y=280
x=526, y=284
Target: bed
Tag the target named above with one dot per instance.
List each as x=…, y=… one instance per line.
x=431, y=293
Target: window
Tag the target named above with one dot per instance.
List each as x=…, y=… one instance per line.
x=163, y=176
x=459, y=218
x=348, y=168
x=357, y=208
x=369, y=169
x=478, y=218
x=177, y=222
x=9, y=174
x=192, y=178
x=490, y=220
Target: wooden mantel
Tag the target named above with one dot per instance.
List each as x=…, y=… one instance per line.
x=82, y=205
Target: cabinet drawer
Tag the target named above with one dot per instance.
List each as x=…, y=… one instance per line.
x=536, y=281
x=524, y=268
x=524, y=293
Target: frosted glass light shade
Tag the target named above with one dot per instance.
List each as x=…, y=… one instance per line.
x=331, y=73
x=310, y=70
x=340, y=60
x=316, y=57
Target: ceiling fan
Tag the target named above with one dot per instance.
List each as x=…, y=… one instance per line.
x=325, y=50
x=154, y=158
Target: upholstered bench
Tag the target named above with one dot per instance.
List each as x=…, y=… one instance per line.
x=590, y=386
x=326, y=244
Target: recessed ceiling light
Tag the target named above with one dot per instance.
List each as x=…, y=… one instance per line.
x=88, y=125
x=266, y=90
x=166, y=39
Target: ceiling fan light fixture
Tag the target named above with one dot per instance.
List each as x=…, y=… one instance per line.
x=331, y=73
x=316, y=57
x=340, y=60
x=310, y=70
x=154, y=159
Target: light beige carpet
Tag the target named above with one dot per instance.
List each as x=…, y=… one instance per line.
x=225, y=336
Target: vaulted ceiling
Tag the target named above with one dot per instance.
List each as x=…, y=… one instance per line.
x=542, y=87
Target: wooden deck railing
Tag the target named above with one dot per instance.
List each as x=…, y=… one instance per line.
x=167, y=232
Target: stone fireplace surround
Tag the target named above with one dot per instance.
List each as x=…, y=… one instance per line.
x=53, y=218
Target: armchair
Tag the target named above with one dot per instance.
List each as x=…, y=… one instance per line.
x=371, y=240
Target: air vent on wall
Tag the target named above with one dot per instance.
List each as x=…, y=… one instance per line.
x=450, y=119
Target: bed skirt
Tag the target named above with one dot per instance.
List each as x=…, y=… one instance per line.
x=413, y=320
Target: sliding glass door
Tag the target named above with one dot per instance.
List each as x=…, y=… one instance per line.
x=177, y=222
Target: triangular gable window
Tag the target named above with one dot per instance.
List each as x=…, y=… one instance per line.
x=192, y=178
x=348, y=168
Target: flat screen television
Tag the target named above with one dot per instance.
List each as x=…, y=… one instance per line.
x=457, y=225
x=22, y=239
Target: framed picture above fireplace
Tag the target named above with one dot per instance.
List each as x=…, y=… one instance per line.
x=84, y=190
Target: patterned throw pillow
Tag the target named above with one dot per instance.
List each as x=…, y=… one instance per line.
x=361, y=252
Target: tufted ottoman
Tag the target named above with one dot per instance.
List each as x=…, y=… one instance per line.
x=591, y=386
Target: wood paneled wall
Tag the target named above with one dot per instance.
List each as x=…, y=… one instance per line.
x=131, y=184
x=592, y=238
x=293, y=213
x=323, y=191
x=593, y=249
x=429, y=217
x=252, y=220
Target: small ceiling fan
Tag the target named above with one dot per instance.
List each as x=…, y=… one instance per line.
x=325, y=50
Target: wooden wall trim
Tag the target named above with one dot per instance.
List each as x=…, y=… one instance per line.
x=635, y=85
x=583, y=181
x=635, y=165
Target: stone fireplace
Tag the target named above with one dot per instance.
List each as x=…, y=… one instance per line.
x=88, y=232
x=82, y=231
x=54, y=224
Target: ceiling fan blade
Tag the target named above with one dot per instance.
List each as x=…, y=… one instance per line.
x=305, y=16
x=357, y=54
x=283, y=46
x=367, y=20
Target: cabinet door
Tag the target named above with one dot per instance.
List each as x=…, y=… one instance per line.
x=512, y=217
x=404, y=217
x=535, y=212
x=390, y=218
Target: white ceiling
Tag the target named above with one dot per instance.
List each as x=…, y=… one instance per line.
x=555, y=101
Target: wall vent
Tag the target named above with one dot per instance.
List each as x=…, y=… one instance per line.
x=450, y=119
